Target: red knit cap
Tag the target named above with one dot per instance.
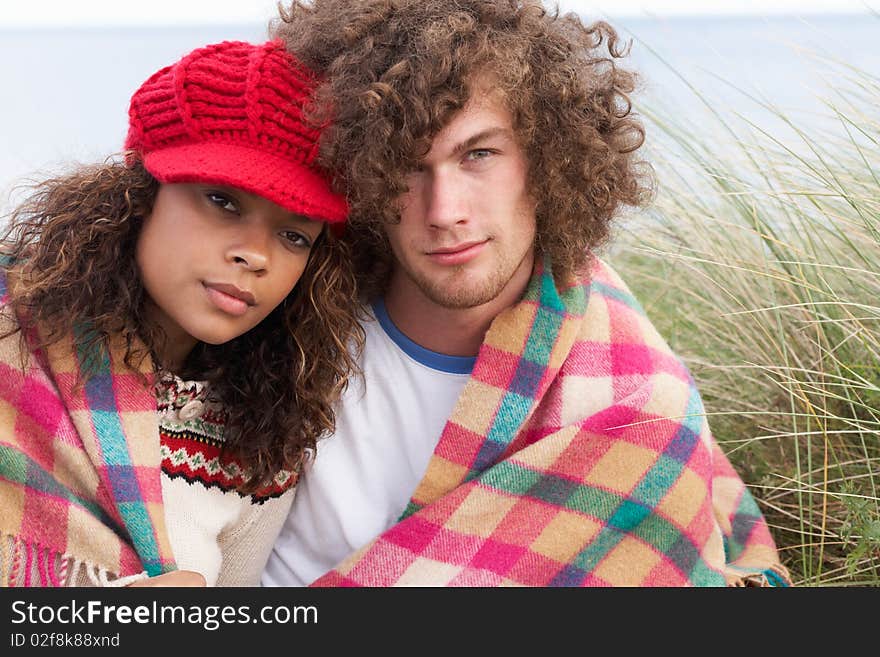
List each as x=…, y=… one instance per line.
x=231, y=114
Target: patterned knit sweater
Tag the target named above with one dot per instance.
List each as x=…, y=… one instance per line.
x=215, y=530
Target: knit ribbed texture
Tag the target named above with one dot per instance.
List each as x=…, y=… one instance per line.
x=231, y=114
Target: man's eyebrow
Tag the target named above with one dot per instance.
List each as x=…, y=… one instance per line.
x=469, y=143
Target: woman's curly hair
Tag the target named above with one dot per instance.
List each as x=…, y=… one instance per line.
x=71, y=250
x=395, y=71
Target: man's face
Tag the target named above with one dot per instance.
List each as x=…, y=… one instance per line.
x=467, y=223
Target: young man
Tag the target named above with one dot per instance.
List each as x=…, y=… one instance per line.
x=519, y=422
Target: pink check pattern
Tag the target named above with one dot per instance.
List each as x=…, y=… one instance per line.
x=80, y=477
x=577, y=455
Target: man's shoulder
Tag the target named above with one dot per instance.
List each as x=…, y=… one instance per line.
x=614, y=316
x=604, y=281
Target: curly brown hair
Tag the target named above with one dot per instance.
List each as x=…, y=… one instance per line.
x=395, y=71
x=71, y=249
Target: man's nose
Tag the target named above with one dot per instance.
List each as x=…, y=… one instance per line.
x=445, y=200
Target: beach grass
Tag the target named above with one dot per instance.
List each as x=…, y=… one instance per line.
x=759, y=262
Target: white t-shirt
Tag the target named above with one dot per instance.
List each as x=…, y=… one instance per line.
x=387, y=427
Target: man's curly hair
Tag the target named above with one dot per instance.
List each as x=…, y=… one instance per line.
x=395, y=71
x=70, y=247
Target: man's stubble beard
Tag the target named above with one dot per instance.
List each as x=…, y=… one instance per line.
x=462, y=294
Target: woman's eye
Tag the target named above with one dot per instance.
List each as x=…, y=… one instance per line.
x=296, y=239
x=223, y=202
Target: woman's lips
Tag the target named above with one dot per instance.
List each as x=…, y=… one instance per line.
x=222, y=297
x=457, y=255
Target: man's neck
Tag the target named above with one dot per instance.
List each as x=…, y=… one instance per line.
x=449, y=331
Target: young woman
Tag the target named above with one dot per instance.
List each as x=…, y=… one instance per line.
x=175, y=330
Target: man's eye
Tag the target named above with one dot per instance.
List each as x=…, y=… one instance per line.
x=478, y=154
x=222, y=201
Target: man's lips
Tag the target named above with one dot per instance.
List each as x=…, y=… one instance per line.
x=455, y=249
x=229, y=298
x=458, y=253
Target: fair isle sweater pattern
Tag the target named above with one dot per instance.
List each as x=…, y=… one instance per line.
x=192, y=423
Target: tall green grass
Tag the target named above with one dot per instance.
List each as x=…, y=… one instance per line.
x=759, y=261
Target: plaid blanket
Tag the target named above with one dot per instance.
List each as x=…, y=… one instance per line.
x=577, y=455
x=80, y=483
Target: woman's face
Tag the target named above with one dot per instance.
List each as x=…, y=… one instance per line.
x=216, y=260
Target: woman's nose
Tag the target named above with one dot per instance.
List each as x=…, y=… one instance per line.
x=250, y=249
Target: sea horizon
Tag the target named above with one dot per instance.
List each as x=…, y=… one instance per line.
x=71, y=86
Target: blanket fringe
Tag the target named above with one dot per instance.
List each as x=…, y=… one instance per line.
x=6, y=558
x=26, y=564
x=774, y=576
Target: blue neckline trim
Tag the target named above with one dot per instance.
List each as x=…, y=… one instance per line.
x=428, y=358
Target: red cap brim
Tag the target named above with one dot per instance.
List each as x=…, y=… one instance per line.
x=292, y=185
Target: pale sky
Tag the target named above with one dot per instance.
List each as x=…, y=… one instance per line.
x=25, y=13
x=95, y=80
